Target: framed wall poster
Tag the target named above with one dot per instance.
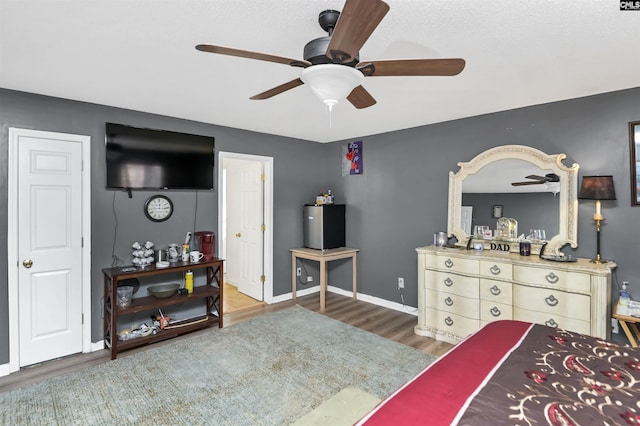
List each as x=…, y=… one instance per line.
x=352, y=162
x=496, y=211
x=634, y=147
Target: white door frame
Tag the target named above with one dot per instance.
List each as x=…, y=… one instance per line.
x=12, y=237
x=267, y=163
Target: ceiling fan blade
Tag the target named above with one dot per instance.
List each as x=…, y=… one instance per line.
x=357, y=21
x=252, y=55
x=412, y=67
x=360, y=98
x=533, y=182
x=278, y=89
x=536, y=177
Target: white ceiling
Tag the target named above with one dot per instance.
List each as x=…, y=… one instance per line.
x=140, y=55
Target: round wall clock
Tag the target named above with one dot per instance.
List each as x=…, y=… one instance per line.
x=158, y=208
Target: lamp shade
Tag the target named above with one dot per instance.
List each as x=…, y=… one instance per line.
x=597, y=188
x=331, y=82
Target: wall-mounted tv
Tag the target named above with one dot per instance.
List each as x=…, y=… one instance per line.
x=140, y=158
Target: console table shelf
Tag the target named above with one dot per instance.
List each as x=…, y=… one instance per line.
x=211, y=294
x=166, y=334
x=140, y=304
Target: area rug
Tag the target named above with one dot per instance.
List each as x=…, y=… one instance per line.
x=271, y=370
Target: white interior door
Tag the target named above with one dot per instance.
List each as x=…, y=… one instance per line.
x=245, y=219
x=231, y=247
x=49, y=241
x=466, y=215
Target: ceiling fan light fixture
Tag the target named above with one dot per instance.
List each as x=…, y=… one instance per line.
x=331, y=83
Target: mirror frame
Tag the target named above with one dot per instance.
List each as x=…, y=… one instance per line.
x=568, y=208
x=633, y=156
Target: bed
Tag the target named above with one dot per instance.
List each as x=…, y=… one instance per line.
x=513, y=372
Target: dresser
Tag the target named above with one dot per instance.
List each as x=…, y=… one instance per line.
x=461, y=290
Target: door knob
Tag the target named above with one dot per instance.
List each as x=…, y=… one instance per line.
x=27, y=263
x=238, y=235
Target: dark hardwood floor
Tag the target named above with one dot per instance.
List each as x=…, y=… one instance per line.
x=389, y=323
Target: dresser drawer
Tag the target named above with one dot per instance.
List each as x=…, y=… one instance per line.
x=459, y=265
x=496, y=270
x=569, y=305
x=453, y=303
x=491, y=311
x=458, y=327
x=562, y=280
x=452, y=283
x=496, y=291
x=556, y=321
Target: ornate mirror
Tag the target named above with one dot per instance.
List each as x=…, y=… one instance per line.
x=514, y=178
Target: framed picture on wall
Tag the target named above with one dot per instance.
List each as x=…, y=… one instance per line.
x=634, y=146
x=496, y=211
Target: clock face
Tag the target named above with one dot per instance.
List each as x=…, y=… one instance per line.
x=158, y=208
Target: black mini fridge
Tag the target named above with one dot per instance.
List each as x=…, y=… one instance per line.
x=324, y=226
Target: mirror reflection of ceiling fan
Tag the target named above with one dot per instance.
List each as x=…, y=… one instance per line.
x=331, y=65
x=538, y=180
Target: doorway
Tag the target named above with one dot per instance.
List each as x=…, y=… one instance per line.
x=48, y=245
x=245, y=228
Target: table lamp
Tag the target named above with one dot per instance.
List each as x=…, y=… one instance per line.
x=597, y=188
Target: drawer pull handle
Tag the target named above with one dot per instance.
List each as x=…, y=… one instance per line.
x=551, y=323
x=448, y=263
x=448, y=321
x=551, y=300
x=495, y=270
x=552, y=278
x=495, y=290
x=448, y=301
x=495, y=311
x=448, y=282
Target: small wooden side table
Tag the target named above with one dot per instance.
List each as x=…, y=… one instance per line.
x=324, y=257
x=628, y=323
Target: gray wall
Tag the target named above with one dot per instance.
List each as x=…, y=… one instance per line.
x=394, y=207
x=295, y=182
x=401, y=199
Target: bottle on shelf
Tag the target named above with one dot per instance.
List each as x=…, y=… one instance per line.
x=623, y=300
x=188, y=281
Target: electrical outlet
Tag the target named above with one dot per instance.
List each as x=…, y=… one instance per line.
x=309, y=279
x=299, y=272
x=400, y=282
x=614, y=326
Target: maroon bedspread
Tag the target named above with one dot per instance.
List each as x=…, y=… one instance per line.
x=512, y=372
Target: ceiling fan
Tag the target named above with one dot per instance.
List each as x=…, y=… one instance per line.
x=331, y=64
x=538, y=180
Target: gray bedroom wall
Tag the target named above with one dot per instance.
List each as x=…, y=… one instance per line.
x=294, y=181
x=401, y=199
x=394, y=207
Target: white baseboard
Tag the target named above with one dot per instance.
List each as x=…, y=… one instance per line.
x=375, y=301
x=97, y=346
x=303, y=292
x=365, y=298
x=4, y=370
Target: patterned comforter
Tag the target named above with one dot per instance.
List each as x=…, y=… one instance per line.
x=516, y=373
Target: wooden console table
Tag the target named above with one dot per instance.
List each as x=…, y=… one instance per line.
x=323, y=257
x=212, y=296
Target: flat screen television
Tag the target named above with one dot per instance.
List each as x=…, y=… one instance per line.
x=140, y=158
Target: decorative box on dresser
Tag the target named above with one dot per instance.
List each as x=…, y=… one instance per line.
x=461, y=290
